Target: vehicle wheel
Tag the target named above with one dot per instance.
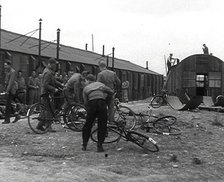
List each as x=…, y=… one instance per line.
x=164, y=121
x=75, y=117
x=168, y=130
x=112, y=135
x=124, y=113
x=37, y=118
x=156, y=101
x=143, y=141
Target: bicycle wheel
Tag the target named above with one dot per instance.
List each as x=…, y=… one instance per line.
x=75, y=117
x=112, y=135
x=143, y=141
x=168, y=130
x=37, y=118
x=124, y=113
x=164, y=121
x=156, y=101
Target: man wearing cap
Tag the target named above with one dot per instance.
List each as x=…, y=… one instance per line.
x=49, y=86
x=73, y=88
x=110, y=79
x=11, y=88
x=94, y=96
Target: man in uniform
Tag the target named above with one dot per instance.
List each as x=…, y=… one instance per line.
x=49, y=86
x=94, y=96
x=110, y=79
x=11, y=88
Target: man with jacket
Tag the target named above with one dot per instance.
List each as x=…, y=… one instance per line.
x=110, y=79
x=11, y=88
x=94, y=96
x=49, y=86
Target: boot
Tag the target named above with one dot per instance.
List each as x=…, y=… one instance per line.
x=40, y=126
x=84, y=146
x=100, y=147
x=17, y=118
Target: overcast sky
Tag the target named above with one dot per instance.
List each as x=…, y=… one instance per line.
x=140, y=30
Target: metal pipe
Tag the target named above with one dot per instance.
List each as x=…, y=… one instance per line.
x=103, y=51
x=113, y=58
x=58, y=43
x=40, y=27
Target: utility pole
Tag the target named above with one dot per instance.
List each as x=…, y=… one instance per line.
x=58, y=43
x=92, y=43
x=103, y=51
x=39, y=52
x=113, y=58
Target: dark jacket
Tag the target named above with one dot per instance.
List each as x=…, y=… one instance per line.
x=48, y=82
x=10, y=81
x=109, y=78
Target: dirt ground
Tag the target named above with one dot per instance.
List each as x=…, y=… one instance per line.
x=196, y=155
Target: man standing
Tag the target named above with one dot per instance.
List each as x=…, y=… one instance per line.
x=21, y=92
x=94, y=96
x=49, y=86
x=205, y=49
x=33, y=88
x=110, y=79
x=11, y=88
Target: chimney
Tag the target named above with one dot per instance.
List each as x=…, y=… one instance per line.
x=103, y=51
x=86, y=47
x=147, y=65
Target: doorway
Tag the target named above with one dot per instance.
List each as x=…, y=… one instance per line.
x=201, y=84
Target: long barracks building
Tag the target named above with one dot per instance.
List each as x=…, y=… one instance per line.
x=24, y=52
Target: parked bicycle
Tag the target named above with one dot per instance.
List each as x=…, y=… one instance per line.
x=159, y=100
x=164, y=125
x=118, y=130
x=124, y=113
x=17, y=106
x=45, y=113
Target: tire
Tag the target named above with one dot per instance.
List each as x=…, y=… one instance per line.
x=75, y=117
x=164, y=121
x=36, y=115
x=168, y=130
x=124, y=113
x=156, y=101
x=143, y=141
x=113, y=135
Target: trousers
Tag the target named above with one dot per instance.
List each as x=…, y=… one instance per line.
x=95, y=109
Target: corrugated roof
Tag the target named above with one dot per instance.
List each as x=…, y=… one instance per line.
x=30, y=46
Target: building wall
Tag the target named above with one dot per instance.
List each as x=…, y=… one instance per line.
x=186, y=76
x=141, y=85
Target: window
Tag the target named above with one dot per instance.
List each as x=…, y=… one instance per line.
x=215, y=79
x=201, y=80
x=188, y=79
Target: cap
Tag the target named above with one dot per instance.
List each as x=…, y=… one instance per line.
x=102, y=63
x=90, y=77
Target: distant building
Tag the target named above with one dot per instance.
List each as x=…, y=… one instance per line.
x=198, y=74
x=23, y=53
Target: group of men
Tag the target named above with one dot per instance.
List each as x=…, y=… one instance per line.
x=97, y=92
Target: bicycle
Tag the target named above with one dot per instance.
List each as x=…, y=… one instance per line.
x=122, y=112
x=17, y=106
x=117, y=131
x=40, y=112
x=159, y=100
x=163, y=125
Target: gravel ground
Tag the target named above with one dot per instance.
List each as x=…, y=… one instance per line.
x=195, y=155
